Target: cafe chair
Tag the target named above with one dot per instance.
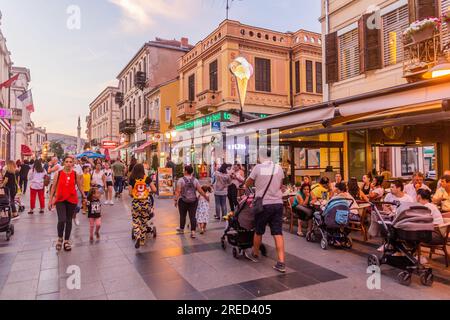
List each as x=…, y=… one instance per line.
x=290, y=213
x=444, y=229
x=361, y=224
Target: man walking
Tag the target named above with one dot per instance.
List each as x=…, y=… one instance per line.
x=267, y=178
x=118, y=169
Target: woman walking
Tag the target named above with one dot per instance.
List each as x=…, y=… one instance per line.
x=109, y=178
x=64, y=196
x=237, y=179
x=141, y=187
x=36, y=178
x=221, y=183
x=10, y=183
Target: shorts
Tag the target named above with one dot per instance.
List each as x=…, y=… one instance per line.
x=272, y=216
x=109, y=183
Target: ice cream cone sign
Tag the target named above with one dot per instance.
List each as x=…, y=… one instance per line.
x=243, y=71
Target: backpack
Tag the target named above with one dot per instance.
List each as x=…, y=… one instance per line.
x=140, y=190
x=188, y=191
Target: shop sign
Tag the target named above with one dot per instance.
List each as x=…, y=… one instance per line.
x=5, y=113
x=204, y=121
x=165, y=182
x=109, y=145
x=237, y=147
x=215, y=127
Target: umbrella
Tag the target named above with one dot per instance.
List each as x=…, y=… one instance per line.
x=90, y=155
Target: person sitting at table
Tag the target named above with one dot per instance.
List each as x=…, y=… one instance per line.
x=367, y=184
x=355, y=191
x=416, y=184
x=377, y=192
x=337, y=179
x=307, y=180
x=321, y=190
x=302, y=207
x=441, y=197
x=397, y=194
x=424, y=198
x=341, y=191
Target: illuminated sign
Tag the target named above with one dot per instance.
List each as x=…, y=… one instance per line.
x=237, y=147
x=5, y=113
x=204, y=121
x=109, y=145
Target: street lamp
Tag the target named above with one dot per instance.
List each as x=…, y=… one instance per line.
x=170, y=135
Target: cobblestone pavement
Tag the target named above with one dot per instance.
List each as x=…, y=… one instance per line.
x=177, y=267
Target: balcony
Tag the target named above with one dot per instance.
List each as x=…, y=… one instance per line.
x=422, y=55
x=140, y=80
x=150, y=126
x=207, y=100
x=186, y=110
x=95, y=143
x=119, y=98
x=127, y=126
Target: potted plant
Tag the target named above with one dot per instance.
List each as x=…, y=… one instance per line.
x=422, y=30
x=446, y=17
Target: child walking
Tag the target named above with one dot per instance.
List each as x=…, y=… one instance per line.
x=94, y=213
x=86, y=184
x=202, y=213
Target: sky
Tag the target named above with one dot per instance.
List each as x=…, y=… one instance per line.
x=75, y=48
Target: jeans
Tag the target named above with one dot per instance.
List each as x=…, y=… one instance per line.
x=12, y=203
x=23, y=183
x=221, y=204
x=40, y=194
x=233, y=196
x=185, y=208
x=65, y=212
x=118, y=184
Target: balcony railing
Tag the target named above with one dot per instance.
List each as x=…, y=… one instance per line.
x=140, y=80
x=420, y=56
x=127, y=126
x=150, y=126
x=186, y=110
x=207, y=100
x=95, y=143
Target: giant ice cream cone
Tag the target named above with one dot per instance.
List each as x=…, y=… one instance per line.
x=243, y=71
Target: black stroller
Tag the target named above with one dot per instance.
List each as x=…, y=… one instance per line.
x=5, y=214
x=403, y=234
x=330, y=225
x=241, y=228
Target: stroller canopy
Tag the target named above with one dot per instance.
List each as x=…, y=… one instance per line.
x=413, y=217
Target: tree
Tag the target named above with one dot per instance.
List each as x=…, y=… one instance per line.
x=155, y=162
x=57, y=149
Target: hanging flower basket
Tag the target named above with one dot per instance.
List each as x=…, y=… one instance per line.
x=422, y=30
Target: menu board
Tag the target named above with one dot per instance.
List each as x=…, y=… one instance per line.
x=165, y=182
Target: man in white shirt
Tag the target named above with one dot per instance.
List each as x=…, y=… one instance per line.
x=416, y=184
x=397, y=194
x=269, y=176
x=441, y=197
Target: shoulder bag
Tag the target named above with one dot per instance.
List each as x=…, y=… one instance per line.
x=258, y=201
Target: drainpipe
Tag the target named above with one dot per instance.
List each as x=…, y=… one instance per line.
x=291, y=87
x=327, y=31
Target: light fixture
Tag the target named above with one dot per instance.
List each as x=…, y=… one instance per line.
x=174, y=134
x=168, y=135
x=418, y=141
x=442, y=67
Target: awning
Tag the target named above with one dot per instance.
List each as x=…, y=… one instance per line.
x=144, y=146
x=26, y=150
x=136, y=144
x=122, y=146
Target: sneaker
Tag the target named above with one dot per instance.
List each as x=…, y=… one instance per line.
x=111, y=202
x=193, y=235
x=76, y=221
x=251, y=256
x=280, y=267
x=41, y=211
x=180, y=231
x=31, y=212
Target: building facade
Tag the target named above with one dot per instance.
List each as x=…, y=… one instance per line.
x=103, y=119
x=5, y=74
x=155, y=63
x=37, y=141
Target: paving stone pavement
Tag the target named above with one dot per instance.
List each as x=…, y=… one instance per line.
x=177, y=267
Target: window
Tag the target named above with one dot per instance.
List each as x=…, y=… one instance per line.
x=349, y=55
x=145, y=107
x=139, y=107
x=156, y=117
x=213, y=79
x=168, y=114
x=191, y=84
x=262, y=75
x=123, y=116
x=309, y=76
x=297, y=77
x=134, y=109
x=410, y=160
x=394, y=23
x=319, y=87
x=445, y=5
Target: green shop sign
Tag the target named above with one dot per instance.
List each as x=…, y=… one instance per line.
x=204, y=121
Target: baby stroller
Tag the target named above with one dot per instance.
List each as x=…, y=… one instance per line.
x=151, y=229
x=5, y=214
x=18, y=202
x=241, y=228
x=330, y=225
x=403, y=234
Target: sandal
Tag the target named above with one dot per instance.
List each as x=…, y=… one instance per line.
x=31, y=212
x=59, y=244
x=41, y=211
x=67, y=246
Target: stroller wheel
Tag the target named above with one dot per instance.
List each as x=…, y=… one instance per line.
x=8, y=235
x=12, y=229
x=263, y=250
x=223, y=245
x=427, y=278
x=373, y=260
x=404, y=278
x=155, y=234
x=235, y=253
x=324, y=243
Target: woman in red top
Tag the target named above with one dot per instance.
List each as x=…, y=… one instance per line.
x=64, y=196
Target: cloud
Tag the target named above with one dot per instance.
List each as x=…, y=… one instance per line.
x=140, y=14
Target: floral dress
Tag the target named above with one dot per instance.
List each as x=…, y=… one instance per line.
x=202, y=214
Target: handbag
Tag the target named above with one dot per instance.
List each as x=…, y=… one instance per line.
x=258, y=201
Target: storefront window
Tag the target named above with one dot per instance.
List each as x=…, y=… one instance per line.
x=410, y=160
x=357, y=153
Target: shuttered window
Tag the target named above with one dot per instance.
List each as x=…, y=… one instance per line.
x=331, y=57
x=309, y=76
x=319, y=87
x=262, y=75
x=394, y=23
x=297, y=76
x=445, y=5
x=213, y=80
x=191, y=84
x=349, y=55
